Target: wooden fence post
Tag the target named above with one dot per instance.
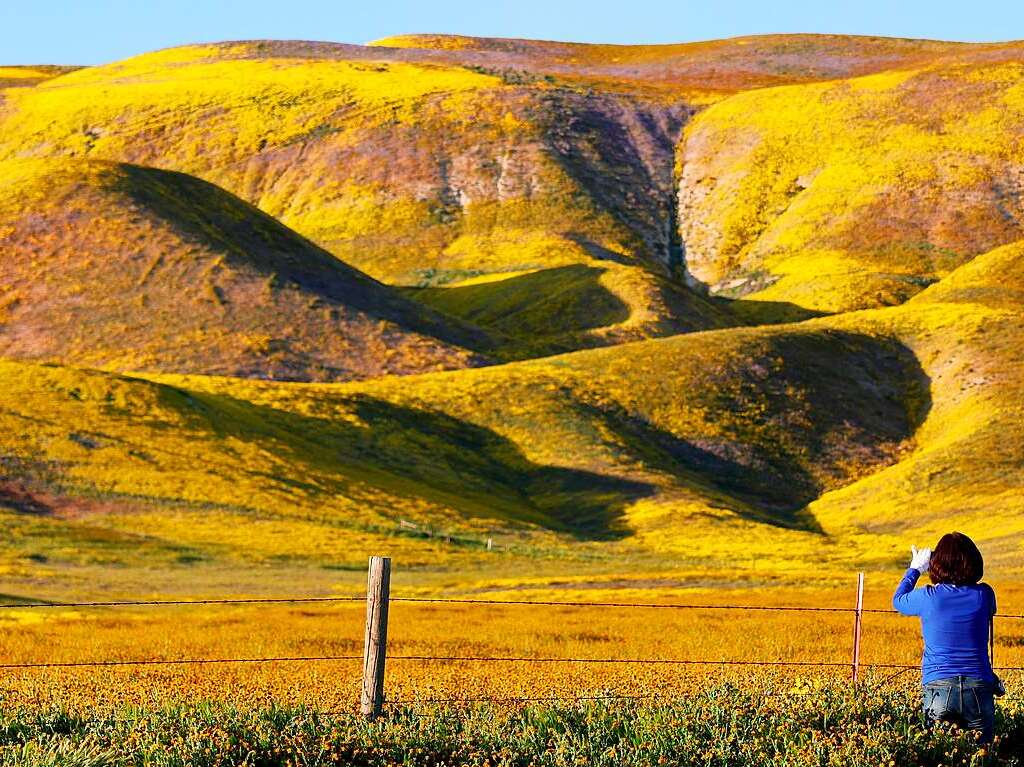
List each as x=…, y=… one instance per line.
x=857, y=618
x=378, y=591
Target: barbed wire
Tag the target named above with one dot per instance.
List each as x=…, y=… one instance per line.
x=655, y=661
x=469, y=659
x=454, y=600
x=177, y=662
x=514, y=699
x=640, y=605
x=445, y=659
x=171, y=602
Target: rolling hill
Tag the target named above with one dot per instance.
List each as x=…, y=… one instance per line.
x=580, y=447
x=419, y=174
x=698, y=71
x=966, y=472
x=619, y=308
x=831, y=440
x=25, y=76
x=132, y=268
x=855, y=193
x=436, y=161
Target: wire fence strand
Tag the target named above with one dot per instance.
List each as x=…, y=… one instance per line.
x=653, y=661
x=466, y=659
x=178, y=662
x=456, y=601
x=635, y=605
x=172, y=602
x=515, y=699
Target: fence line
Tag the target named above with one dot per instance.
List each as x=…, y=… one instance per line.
x=179, y=662
x=448, y=659
x=646, y=661
x=516, y=699
x=638, y=605
x=169, y=602
x=375, y=653
x=471, y=659
x=459, y=601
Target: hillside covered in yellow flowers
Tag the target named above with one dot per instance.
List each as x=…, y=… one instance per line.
x=733, y=307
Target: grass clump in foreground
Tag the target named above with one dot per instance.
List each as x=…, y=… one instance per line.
x=722, y=725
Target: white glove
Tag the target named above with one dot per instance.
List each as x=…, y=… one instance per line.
x=920, y=558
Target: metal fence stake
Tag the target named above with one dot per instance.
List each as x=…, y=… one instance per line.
x=857, y=622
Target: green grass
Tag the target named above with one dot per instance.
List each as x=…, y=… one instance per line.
x=759, y=725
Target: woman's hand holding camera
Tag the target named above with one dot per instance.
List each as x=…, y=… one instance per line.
x=919, y=559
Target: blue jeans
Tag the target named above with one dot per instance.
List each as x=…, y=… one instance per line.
x=966, y=700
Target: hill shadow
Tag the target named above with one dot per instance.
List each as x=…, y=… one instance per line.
x=561, y=299
x=750, y=311
x=837, y=400
x=756, y=312
x=761, y=492
x=426, y=454
x=862, y=397
x=206, y=214
x=611, y=152
x=829, y=407
x=599, y=252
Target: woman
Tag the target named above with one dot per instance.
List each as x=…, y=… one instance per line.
x=957, y=679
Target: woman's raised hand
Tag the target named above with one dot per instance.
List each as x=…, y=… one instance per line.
x=919, y=559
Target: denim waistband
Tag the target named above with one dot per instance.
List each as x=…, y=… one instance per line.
x=957, y=681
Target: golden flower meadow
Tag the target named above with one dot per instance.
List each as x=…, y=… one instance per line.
x=727, y=724
x=303, y=712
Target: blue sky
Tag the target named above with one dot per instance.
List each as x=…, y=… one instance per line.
x=95, y=31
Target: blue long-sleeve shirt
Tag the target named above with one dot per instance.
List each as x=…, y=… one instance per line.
x=954, y=624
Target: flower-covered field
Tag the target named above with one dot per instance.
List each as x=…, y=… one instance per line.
x=484, y=711
x=757, y=723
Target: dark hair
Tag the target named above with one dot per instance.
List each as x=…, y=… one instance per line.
x=956, y=560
